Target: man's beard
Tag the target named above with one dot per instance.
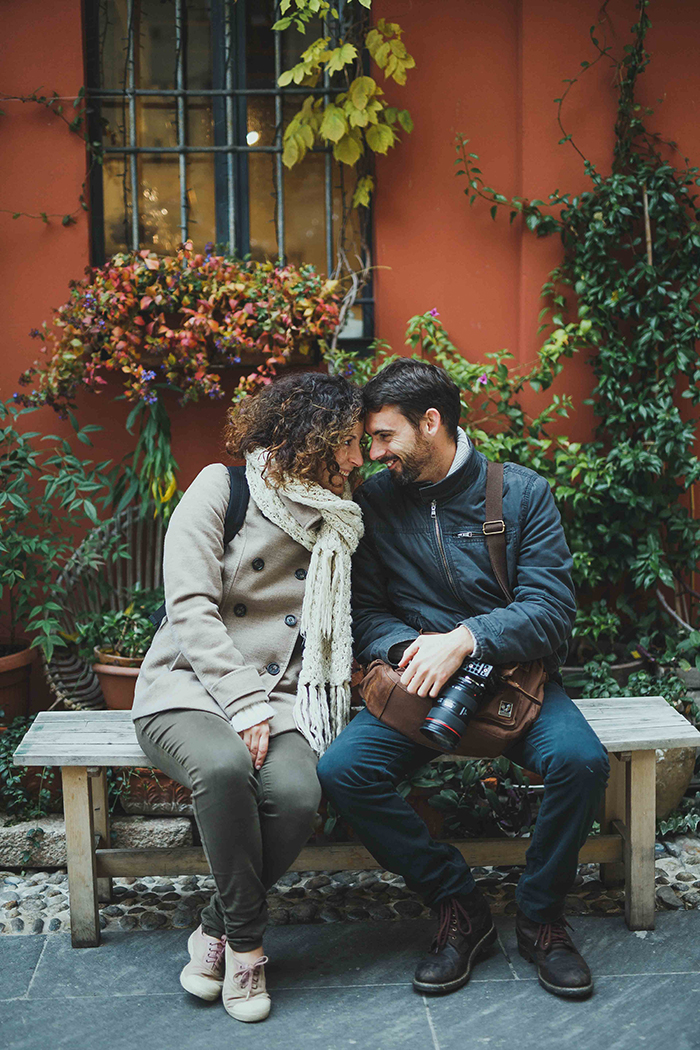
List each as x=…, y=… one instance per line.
x=412, y=463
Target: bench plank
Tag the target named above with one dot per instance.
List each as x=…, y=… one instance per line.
x=108, y=738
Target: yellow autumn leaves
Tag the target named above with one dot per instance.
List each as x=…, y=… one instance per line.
x=357, y=118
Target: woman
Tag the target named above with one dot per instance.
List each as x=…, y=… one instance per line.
x=229, y=702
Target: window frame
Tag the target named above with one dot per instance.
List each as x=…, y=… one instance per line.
x=231, y=193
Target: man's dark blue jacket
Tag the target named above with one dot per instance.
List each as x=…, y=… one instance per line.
x=423, y=565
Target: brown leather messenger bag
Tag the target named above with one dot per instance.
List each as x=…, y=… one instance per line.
x=506, y=715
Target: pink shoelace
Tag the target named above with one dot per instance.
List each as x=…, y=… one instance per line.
x=247, y=974
x=215, y=950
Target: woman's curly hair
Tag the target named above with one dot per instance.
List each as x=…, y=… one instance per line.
x=300, y=419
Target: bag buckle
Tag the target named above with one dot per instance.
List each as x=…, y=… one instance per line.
x=493, y=528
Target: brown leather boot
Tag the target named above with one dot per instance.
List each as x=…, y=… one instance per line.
x=465, y=931
x=560, y=968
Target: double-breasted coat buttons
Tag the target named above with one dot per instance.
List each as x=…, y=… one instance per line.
x=273, y=668
x=291, y=621
x=300, y=574
x=258, y=564
x=240, y=609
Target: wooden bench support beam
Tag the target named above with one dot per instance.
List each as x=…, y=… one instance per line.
x=100, y=817
x=337, y=857
x=640, y=893
x=82, y=882
x=615, y=809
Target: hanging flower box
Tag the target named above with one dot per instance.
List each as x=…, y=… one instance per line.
x=178, y=320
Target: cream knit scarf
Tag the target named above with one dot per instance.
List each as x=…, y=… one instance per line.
x=322, y=706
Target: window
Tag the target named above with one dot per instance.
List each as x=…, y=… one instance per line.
x=185, y=99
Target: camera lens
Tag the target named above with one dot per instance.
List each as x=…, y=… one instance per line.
x=460, y=699
x=444, y=724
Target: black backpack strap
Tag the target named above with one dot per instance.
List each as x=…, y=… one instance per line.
x=494, y=528
x=237, y=503
x=236, y=510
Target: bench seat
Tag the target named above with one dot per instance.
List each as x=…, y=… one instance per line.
x=85, y=743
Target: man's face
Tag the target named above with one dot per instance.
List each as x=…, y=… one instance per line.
x=398, y=444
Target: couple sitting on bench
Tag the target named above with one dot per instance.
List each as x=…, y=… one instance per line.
x=246, y=682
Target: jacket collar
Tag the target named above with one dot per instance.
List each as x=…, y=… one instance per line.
x=457, y=481
x=308, y=517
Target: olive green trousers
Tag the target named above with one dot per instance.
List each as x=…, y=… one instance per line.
x=253, y=823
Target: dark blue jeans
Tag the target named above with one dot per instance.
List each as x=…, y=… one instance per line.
x=361, y=769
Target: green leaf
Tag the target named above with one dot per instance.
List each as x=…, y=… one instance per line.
x=348, y=150
x=380, y=138
x=361, y=91
x=340, y=57
x=334, y=125
x=363, y=192
x=405, y=120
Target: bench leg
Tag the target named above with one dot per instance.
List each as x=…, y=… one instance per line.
x=640, y=894
x=80, y=846
x=615, y=809
x=100, y=816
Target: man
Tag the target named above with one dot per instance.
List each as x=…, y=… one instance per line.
x=423, y=566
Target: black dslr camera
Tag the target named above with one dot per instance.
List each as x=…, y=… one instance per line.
x=460, y=699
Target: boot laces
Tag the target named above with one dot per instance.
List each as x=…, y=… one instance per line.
x=247, y=975
x=454, y=919
x=553, y=935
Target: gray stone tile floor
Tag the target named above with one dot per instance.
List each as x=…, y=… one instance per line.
x=346, y=985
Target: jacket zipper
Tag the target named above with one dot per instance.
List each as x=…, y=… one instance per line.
x=438, y=536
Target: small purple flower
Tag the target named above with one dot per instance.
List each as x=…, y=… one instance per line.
x=237, y=360
x=34, y=334
x=148, y=376
x=433, y=312
x=483, y=379
x=151, y=399
x=15, y=397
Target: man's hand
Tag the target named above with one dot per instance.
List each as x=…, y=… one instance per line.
x=257, y=740
x=433, y=658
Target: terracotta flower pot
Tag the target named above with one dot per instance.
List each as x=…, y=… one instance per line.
x=15, y=672
x=117, y=677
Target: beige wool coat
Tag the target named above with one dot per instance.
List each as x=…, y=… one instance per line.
x=230, y=642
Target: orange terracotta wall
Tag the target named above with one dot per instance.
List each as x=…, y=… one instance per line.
x=486, y=68
x=490, y=70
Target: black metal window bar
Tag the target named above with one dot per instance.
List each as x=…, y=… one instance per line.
x=229, y=103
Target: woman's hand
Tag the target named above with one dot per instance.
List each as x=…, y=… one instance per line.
x=257, y=740
x=433, y=658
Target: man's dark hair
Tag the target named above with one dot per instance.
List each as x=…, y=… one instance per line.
x=414, y=387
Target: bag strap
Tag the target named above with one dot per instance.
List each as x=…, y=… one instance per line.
x=238, y=500
x=494, y=528
x=237, y=503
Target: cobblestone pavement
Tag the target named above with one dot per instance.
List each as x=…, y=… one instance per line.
x=37, y=901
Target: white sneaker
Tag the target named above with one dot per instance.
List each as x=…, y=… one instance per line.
x=244, y=993
x=204, y=974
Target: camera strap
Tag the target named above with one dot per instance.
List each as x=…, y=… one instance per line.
x=494, y=528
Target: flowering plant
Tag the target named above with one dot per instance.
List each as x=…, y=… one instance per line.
x=173, y=320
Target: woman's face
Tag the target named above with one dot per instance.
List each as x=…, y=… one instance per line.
x=348, y=456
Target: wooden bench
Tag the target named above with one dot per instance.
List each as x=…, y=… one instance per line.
x=83, y=744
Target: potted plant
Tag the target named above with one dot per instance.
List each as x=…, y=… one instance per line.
x=46, y=493
x=116, y=641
